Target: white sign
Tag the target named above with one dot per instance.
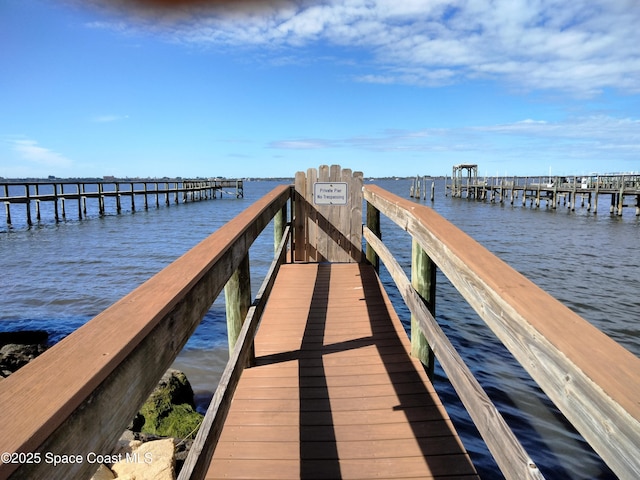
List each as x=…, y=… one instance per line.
x=328, y=193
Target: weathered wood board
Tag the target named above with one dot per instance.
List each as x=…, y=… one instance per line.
x=328, y=215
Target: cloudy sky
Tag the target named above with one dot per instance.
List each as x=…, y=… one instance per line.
x=389, y=87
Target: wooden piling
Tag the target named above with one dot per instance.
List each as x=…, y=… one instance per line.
x=621, y=196
x=118, y=204
x=279, y=225
x=37, y=202
x=7, y=205
x=133, y=199
x=84, y=199
x=79, y=202
x=59, y=192
x=613, y=203
x=373, y=223
x=423, y=279
x=55, y=203
x=556, y=191
x=28, y=204
x=237, y=293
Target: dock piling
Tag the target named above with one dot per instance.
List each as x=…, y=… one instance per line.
x=60, y=191
x=566, y=191
x=423, y=279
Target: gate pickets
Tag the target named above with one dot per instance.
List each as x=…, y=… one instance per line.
x=333, y=233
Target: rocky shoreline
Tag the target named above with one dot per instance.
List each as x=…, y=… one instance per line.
x=19, y=348
x=156, y=443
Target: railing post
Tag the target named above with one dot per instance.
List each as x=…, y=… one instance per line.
x=299, y=218
x=279, y=224
x=237, y=295
x=373, y=224
x=423, y=279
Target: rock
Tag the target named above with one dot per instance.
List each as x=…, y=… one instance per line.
x=137, y=423
x=170, y=409
x=125, y=446
x=150, y=461
x=129, y=441
x=13, y=356
x=103, y=473
x=19, y=348
x=182, y=451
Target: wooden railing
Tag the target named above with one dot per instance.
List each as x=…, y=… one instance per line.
x=79, y=396
x=591, y=378
x=58, y=403
x=59, y=192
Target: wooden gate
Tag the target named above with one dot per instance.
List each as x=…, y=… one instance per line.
x=328, y=215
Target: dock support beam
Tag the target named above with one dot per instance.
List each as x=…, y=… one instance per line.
x=237, y=296
x=79, y=201
x=7, y=205
x=373, y=223
x=279, y=225
x=423, y=279
x=28, y=203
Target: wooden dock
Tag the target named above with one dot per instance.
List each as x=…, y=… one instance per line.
x=335, y=392
x=322, y=381
x=569, y=191
x=33, y=194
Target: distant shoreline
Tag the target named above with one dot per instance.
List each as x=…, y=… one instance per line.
x=179, y=179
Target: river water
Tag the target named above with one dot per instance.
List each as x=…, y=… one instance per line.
x=56, y=277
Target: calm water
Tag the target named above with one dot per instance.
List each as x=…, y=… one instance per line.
x=57, y=277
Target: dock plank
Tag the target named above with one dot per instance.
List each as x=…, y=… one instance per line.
x=334, y=393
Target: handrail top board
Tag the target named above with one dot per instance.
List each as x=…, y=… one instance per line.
x=606, y=362
x=54, y=384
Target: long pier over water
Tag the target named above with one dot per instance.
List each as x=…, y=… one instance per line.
x=58, y=192
x=623, y=189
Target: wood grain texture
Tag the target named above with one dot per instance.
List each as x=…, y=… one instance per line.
x=69, y=400
x=512, y=459
x=197, y=462
x=330, y=232
x=335, y=393
x=592, y=379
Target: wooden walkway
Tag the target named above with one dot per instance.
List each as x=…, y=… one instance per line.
x=334, y=393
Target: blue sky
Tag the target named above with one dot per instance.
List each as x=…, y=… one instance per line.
x=97, y=87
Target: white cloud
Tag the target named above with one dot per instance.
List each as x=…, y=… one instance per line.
x=306, y=144
x=593, y=137
x=108, y=118
x=604, y=130
x=581, y=46
x=30, y=151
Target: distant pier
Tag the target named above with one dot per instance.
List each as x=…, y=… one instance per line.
x=623, y=190
x=140, y=194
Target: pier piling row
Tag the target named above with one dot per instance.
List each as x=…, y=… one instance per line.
x=156, y=191
x=554, y=191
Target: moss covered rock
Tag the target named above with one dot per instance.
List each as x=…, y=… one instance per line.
x=170, y=410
